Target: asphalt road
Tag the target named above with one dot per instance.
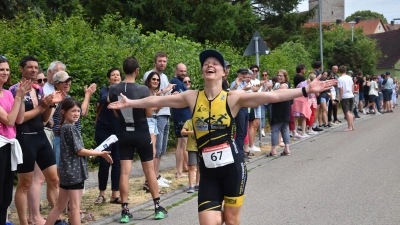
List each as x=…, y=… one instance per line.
x=335, y=177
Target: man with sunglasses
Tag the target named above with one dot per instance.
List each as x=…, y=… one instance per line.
x=179, y=116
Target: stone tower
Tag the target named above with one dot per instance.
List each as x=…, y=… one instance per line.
x=332, y=10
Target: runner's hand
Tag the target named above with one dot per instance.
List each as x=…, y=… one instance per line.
x=121, y=104
x=317, y=85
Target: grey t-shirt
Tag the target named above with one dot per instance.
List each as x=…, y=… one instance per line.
x=389, y=84
x=73, y=168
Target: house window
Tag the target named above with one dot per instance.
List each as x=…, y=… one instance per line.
x=379, y=28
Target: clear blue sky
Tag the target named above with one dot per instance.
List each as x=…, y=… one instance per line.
x=389, y=8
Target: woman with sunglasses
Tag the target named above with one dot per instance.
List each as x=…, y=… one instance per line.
x=187, y=82
x=153, y=83
x=107, y=124
x=40, y=79
x=266, y=86
x=223, y=173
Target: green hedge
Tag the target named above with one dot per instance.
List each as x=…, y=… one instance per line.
x=89, y=52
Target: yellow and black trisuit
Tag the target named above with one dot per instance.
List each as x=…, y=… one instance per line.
x=223, y=172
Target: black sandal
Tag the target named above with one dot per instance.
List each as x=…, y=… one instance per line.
x=249, y=153
x=285, y=154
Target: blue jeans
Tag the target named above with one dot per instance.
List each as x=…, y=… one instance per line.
x=162, y=136
x=242, y=122
x=56, y=148
x=104, y=166
x=263, y=116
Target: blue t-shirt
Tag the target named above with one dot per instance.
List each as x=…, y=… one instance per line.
x=180, y=114
x=106, y=121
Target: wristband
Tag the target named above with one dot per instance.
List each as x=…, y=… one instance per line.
x=303, y=89
x=53, y=106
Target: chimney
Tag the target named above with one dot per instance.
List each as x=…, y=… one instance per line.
x=339, y=21
x=392, y=22
x=358, y=18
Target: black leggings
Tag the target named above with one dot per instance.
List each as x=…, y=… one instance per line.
x=104, y=166
x=332, y=108
x=6, y=181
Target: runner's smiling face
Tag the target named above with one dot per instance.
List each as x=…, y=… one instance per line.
x=212, y=69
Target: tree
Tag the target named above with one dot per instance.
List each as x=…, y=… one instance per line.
x=280, y=20
x=366, y=15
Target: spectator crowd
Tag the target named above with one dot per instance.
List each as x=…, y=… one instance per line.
x=40, y=128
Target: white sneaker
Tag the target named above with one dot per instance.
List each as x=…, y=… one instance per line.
x=162, y=184
x=263, y=133
x=305, y=136
x=312, y=132
x=378, y=113
x=364, y=111
x=254, y=149
x=297, y=136
x=165, y=180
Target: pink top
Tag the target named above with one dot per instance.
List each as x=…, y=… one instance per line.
x=7, y=102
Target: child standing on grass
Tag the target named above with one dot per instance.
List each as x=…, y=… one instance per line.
x=73, y=170
x=193, y=158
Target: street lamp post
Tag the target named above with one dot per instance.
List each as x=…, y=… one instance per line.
x=352, y=29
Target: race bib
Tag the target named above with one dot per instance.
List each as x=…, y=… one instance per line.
x=217, y=156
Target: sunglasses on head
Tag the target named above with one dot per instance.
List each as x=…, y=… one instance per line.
x=2, y=56
x=155, y=79
x=41, y=80
x=187, y=81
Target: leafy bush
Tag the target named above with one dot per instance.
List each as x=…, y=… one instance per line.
x=89, y=52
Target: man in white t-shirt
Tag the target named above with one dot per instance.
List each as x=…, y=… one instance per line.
x=160, y=63
x=54, y=67
x=254, y=124
x=346, y=96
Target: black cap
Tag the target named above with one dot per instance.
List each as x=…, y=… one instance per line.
x=243, y=70
x=211, y=53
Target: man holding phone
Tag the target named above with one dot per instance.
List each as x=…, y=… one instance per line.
x=180, y=116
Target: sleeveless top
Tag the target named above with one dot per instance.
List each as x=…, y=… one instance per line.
x=212, y=120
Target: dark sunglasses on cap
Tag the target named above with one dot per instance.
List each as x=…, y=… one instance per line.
x=41, y=80
x=187, y=81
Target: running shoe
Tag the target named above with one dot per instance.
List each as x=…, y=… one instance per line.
x=124, y=216
x=263, y=133
x=196, y=188
x=160, y=213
